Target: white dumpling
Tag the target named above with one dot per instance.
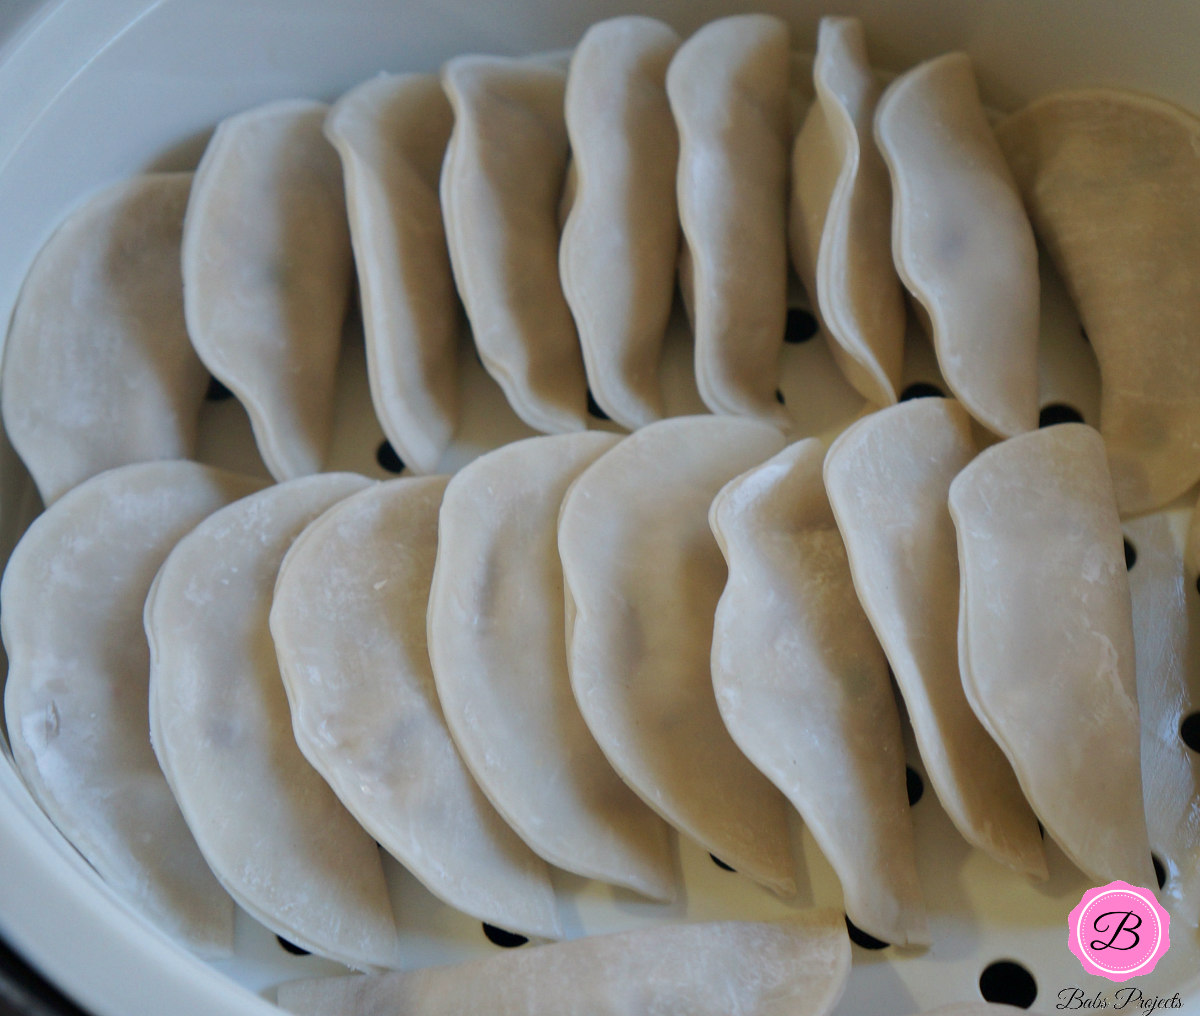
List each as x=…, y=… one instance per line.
x=391, y=133
x=961, y=240
x=841, y=217
x=349, y=622
x=1168, y=691
x=501, y=185
x=98, y=368
x=1046, y=640
x=797, y=967
x=621, y=239
x=729, y=91
x=498, y=648
x=1110, y=180
x=888, y=477
x=644, y=575
x=266, y=275
x=76, y=696
x=803, y=686
x=271, y=830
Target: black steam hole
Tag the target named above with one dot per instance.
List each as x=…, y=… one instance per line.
x=1130, y=555
x=721, y=864
x=1058, y=412
x=1008, y=983
x=593, y=407
x=291, y=947
x=1160, y=871
x=217, y=392
x=921, y=390
x=387, y=458
x=915, y=785
x=502, y=938
x=1189, y=730
x=801, y=326
x=861, y=939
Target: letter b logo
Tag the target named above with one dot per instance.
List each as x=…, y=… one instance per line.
x=1118, y=931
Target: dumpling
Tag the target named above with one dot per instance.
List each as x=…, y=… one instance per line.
x=391, y=134
x=1168, y=691
x=496, y=641
x=98, y=368
x=349, y=626
x=787, y=968
x=501, y=184
x=644, y=574
x=271, y=830
x=1110, y=182
x=621, y=240
x=803, y=686
x=729, y=91
x=888, y=477
x=961, y=240
x=266, y=275
x=840, y=218
x=1046, y=640
x=76, y=697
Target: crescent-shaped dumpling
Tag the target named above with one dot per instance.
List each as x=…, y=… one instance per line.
x=888, y=477
x=1046, y=640
x=961, y=240
x=76, y=695
x=498, y=647
x=349, y=622
x=271, y=830
x=729, y=91
x=501, y=185
x=787, y=968
x=643, y=575
x=803, y=685
x=621, y=238
x=267, y=272
x=841, y=216
x=1112, y=184
x=391, y=133
x=98, y=368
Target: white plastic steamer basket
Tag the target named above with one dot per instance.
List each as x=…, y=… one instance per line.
x=94, y=90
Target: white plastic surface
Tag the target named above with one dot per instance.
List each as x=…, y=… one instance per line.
x=97, y=89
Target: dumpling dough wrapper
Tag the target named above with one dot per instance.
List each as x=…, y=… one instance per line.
x=98, y=367
x=787, y=968
x=349, y=622
x=1111, y=183
x=962, y=242
x=391, y=133
x=267, y=272
x=77, y=691
x=621, y=239
x=729, y=91
x=643, y=575
x=841, y=217
x=498, y=647
x=271, y=830
x=1045, y=640
x=501, y=185
x=803, y=686
x=888, y=477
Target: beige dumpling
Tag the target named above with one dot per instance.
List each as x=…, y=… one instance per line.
x=1046, y=640
x=500, y=187
x=271, y=830
x=391, y=134
x=961, y=240
x=841, y=217
x=888, y=477
x=98, y=368
x=644, y=575
x=1168, y=691
x=349, y=626
x=786, y=968
x=496, y=641
x=266, y=275
x=621, y=239
x=1112, y=185
x=803, y=686
x=76, y=697
x=729, y=91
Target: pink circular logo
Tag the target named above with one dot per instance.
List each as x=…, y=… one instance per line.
x=1118, y=931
